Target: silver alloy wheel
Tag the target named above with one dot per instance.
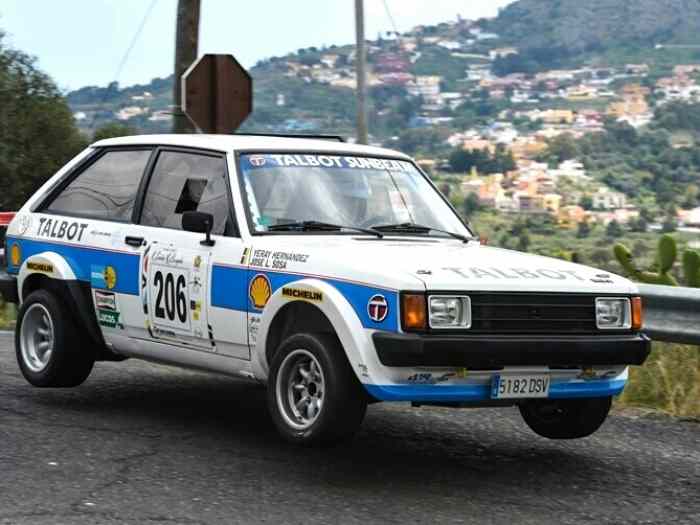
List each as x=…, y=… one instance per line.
x=300, y=389
x=37, y=337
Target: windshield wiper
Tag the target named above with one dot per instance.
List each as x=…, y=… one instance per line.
x=307, y=226
x=410, y=227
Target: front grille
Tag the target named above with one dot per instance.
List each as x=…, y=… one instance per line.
x=497, y=313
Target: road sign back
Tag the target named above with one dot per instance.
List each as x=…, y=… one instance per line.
x=217, y=93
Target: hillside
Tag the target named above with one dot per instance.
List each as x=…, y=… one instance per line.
x=575, y=29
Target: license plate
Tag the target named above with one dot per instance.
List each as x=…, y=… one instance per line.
x=519, y=386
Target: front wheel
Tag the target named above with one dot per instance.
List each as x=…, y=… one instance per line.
x=313, y=394
x=566, y=418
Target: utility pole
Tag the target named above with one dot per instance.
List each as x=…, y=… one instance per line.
x=186, y=44
x=360, y=71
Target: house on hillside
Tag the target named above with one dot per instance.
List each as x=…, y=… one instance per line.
x=606, y=199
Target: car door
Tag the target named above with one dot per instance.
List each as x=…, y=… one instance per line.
x=86, y=221
x=175, y=280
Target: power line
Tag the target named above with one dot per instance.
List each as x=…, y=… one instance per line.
x=391, y=18
x=125, y=58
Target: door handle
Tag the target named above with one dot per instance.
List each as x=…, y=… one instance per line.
x=136, y=242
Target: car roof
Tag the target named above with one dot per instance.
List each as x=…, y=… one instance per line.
x=248, y=142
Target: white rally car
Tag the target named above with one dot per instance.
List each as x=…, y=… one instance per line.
x=334, y=273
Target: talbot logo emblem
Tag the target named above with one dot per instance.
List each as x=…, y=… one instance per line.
x=377, y=308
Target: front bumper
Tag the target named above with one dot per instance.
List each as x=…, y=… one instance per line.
x=8, y=287
x=488, y=352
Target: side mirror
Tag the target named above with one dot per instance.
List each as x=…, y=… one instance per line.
x=199, y=222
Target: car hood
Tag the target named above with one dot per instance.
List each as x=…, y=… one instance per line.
x=405, y=264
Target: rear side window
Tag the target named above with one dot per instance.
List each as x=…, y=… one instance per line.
x=187, y=182
x=106, y=189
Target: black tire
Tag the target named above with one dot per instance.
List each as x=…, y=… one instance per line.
x=344, y=401
x=69, y=363
x=566, y=418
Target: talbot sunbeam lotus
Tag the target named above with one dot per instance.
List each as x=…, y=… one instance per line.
x=335, y=274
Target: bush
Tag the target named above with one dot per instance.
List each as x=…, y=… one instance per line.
x=669, y=380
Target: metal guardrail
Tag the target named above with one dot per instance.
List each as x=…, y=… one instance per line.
x=671, y=313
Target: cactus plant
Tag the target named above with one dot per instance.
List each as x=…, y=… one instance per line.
x=666, y=256
x=691, y=268
x=667, y=252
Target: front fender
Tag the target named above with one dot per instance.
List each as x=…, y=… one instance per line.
x=356, y=340
x=63, y=279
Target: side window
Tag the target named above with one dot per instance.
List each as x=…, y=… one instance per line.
x=106, y=189
x=187, y=182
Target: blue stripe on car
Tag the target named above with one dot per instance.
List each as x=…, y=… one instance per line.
x=446, y=393
x=230, y=290
x=229, y=284
x=83, y=259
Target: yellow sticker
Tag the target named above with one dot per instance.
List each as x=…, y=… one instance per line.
x=260, y=291
x=110, y=277
x=15, y=255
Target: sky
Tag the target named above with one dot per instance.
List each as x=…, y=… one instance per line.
x=83, y=42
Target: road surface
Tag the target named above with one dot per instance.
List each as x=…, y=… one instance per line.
x=145, y=444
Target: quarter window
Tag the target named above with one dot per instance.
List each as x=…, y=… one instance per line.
x=187, y=182
x=106, y=189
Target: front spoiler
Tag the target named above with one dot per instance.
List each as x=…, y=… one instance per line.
x=488, y=352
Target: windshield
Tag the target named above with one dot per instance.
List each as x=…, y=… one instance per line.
x=344, y=190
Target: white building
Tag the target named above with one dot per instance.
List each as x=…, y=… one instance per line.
x=606, y=199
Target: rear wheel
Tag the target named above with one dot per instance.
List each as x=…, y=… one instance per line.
x=313, y=394
x=48, y=351
x=566, y=418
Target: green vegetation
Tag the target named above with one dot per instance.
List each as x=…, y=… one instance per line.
x=37, y=133
x=644, y=165
x=112, y=130
x=668, y=381
x=666, y=255
x=571, y=32
x=483, y=161
x=8, y=314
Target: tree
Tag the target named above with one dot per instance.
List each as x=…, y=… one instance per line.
x=37, y=131
x=113, y=130
x=523, y=241
x=583, y=231
x=586, y=202
x=471, y=204
x=562, y=147
x=670, y=224
x=614, y=230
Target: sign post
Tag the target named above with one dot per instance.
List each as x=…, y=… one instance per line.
x=217, y=93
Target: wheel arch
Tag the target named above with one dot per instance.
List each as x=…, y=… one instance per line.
x=50, y=271
x=327, y=312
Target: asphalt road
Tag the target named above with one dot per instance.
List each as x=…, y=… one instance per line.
x=143, y=444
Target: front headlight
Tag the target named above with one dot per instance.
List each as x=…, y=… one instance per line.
x=613, y=313
x=449, y=311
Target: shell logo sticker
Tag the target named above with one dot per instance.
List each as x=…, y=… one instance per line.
x=15, y=255
x=110, y=277
x=260, y=291
x=377, y=308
